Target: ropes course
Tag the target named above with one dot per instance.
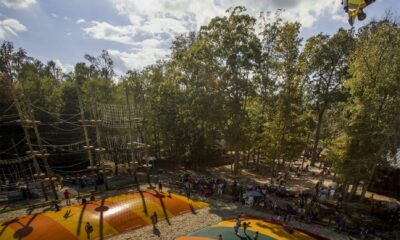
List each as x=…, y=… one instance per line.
x=13, y=147
x=120, y=148
x=71, y=147
x=15, y=160
x=118, y=116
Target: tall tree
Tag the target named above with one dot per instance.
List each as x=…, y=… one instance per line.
x=236, y=49
x=325, y=61
x=287, y=129
x=372, y=115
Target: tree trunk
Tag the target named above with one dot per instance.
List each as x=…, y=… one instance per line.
x=314, y=153
x=236, y=161
x=353, y=190
x=248, y=158
x=273, y=170
x=258, y=159
x=364, y=190
x=345, y=190
x=366, y=184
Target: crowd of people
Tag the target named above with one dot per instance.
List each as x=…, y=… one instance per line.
x=306, y=206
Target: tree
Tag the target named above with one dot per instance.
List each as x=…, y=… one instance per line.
x=372, y=114
x=325, y=61
x=236, y=50
x=287, y=128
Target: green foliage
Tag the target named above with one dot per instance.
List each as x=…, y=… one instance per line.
x=264, y=94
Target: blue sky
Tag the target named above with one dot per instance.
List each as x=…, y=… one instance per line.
x=139, y=32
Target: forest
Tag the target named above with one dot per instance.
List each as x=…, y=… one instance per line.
x=243, y=88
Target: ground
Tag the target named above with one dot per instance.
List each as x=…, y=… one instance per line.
x=219, y=209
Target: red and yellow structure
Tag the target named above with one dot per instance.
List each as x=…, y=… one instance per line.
x=267, y=230
x=109, y=216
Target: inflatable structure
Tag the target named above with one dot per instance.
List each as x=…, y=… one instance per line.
x=267, y=230
x=107, y=217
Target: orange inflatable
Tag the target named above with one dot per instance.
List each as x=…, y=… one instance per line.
x=107, y=217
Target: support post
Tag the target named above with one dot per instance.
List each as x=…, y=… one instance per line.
x=85, y=131
x=130, y=138
x=27, y=135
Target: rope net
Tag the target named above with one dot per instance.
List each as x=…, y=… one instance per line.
x=118, y=116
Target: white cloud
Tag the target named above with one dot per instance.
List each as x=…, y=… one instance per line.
x=81, y=20
x=340, y=18
x=139, y=59
x=106, y=31
x=10, y=26
x=153, y=24
x=64, y=67
x=17, y=4
x=54, y=15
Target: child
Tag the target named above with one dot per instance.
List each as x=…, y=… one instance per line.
x=67, y=196
x=88, y=229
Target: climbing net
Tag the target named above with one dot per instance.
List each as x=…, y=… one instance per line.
x=118, y=116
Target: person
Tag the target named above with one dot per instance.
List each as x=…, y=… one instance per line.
x=92, y=198
x=245, y=227
x=288, y=228
x=160, y=186
x=288, y=217
x=331, y=192
x=220, y=237
x=56, y=206
x=237, y=225
x=255, y=236
x=220, y=188
x=154, y=219
x=88, y=229
x=188, y=193
x=67, y=196
x=355, y=8
x=371, y=198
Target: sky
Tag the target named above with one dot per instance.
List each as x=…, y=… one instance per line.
x=139, y=32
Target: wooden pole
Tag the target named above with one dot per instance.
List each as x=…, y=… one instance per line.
x=44, y=157
x=27, y=135
x=131, y=140
x=85, y=131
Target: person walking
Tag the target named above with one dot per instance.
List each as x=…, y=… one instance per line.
x=67, y=196
x=220, y=237
x=237, y=225
x=154, y=220
x=245, y=225
x=88, y=229
x=255, y=236
x=160, y=186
